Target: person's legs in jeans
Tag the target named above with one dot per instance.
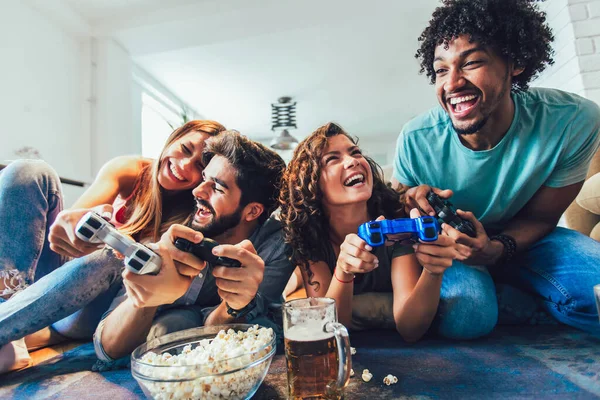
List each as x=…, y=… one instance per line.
x=468, y=307
x=561, y=270
x=60, y=294
x=82, y=324
x=30, y=200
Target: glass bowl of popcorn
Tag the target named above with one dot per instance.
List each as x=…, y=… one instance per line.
x=213, y=362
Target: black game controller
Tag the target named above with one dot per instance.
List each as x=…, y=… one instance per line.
x=203, y=251
x=446, y=212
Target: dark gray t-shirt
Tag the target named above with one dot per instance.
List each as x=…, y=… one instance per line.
x=202, y=295
x=380, y=279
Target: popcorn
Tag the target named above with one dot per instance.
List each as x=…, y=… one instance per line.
x=228, y=351
x=351, y=372
x=366, y=375
x=352, y=350
x=390, y=380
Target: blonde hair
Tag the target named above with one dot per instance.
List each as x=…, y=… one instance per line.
x=150, y=212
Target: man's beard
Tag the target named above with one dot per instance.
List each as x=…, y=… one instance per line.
x=473, y=128
x=217, y=226
x=477, y=125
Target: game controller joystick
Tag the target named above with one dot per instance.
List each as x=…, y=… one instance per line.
x=446, y=213
x=203, y=251
x=139, y=259
x=375, y=233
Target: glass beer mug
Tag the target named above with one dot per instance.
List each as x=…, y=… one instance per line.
x=317, y=349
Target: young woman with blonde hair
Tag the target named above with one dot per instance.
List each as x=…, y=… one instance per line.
x=140, y=196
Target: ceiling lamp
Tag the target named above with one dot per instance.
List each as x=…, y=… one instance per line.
x=283, y=117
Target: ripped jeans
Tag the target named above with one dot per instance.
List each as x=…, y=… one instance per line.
x=46, y=289
x=30, y=200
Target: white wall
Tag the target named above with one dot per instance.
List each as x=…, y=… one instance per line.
x=42, y=102
x=585, y=15
x=65, y=93
x=114, y=118
x=576, y=27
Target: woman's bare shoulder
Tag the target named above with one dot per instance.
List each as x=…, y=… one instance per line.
x=126, y=166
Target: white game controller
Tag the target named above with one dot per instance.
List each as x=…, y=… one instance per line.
x=138, y=258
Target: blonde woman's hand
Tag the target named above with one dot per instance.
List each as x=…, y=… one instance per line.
x=355, y=256
x=62, y=236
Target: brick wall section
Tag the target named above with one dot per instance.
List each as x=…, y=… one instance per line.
x=565, y=74
x=587, y=30
x=576, y=27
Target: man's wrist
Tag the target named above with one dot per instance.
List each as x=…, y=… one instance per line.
x=242, y=312
x=495, y=251
x=508, y=246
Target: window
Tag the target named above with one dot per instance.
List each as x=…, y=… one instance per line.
x=158, y=122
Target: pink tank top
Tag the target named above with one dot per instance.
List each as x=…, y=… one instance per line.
x=120, y=209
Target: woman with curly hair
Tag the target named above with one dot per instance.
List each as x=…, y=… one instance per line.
x=329, y=189
x=512, y=157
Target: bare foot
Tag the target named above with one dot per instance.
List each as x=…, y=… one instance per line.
x=14, y=356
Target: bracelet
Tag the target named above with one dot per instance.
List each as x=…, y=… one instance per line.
x=341, y=281
x=243, y=311
x=510, y=246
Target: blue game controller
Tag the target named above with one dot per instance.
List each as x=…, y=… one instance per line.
x=375, y=232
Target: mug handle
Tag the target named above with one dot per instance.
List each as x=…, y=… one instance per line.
x=344, y=355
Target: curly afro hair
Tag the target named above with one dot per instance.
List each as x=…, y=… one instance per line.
x=516, y=29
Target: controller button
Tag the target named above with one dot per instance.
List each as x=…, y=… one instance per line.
x=427, y=220
x=374, y=225
x=86, y=232
x=94, y=223
x=429, y=233
x=142, y=255
x=376, y=237
x=135, y=264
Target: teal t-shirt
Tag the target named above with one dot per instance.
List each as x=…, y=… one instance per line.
x=550, y=142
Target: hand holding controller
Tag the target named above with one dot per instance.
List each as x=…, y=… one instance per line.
x=203, y=251
x=375, y=232
x=138, y=258
x=446, y=212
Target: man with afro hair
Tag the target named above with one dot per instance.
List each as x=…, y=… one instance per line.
x=513, y=158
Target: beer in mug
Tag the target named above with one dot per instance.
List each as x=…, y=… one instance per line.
x=316, y=350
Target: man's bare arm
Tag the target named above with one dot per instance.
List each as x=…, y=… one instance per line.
x=126, y=328
x=535, y=220
x=540, y=215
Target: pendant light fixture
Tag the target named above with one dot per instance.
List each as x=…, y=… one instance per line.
x=283, y=117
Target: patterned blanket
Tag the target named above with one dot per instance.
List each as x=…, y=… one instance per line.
x=541, y=362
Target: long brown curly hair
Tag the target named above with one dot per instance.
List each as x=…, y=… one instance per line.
x=306, y=224
x=152, y=212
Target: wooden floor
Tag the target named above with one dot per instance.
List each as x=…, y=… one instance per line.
x=41, y=355
x=47, y=353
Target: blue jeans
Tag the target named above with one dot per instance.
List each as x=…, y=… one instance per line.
x=557, y=274
x=68, y=295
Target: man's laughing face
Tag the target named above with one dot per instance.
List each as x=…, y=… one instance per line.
x=471, y=82
x=218, y=207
